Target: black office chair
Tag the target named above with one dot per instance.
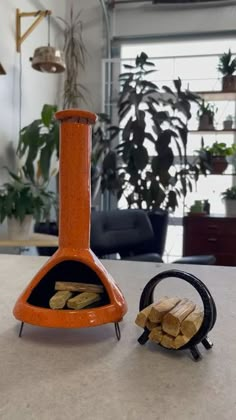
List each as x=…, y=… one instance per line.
x=125, y=232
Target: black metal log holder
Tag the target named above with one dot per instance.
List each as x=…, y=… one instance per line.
x=209, y=306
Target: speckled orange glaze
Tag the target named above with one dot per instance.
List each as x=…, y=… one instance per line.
x=74, y=228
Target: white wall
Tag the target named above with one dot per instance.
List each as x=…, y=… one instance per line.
x=92, y=18
x=37, y=88
x=151, y=20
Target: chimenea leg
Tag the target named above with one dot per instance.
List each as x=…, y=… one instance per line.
x=21, y=329
x=117, y=330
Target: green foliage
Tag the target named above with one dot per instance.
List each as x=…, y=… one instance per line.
x=152, y=181
x=229, y=194
x=19, y=198
x=38, y=142
x=227, y=64
x=221, y=149
x=103, y=159
x=75, y=54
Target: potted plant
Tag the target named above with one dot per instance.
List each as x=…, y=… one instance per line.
x=21, y=203
x=152, y=124
x=229, y=197
x=228, y=123
x=206, y=114
x=214, y=158
x=227, y=67
x=75, y=55
x=149, y=179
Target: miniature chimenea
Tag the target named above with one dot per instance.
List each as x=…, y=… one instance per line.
x=73, y=261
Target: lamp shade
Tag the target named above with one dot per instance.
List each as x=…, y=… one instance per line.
x=2, y=70
x=48, y=60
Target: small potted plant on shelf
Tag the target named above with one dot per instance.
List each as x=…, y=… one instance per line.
x=214, y=158
x=21, y=203
x=229, y=197
x=206, y=114
x=227, y=67
x=228, y=123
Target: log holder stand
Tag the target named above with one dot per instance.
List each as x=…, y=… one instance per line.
x=209, y=306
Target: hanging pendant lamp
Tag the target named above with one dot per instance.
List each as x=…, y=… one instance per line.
x=48, y=59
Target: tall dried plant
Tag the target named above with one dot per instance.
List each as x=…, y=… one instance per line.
x=75, y=57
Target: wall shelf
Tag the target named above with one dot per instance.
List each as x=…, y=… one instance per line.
x=217, y=95
x=232, y=131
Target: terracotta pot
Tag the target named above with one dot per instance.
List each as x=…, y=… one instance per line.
x=20, y=230
x=206, y=122
x=218, y=165
x=229, y=83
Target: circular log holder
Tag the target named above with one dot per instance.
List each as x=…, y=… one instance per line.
x=209, y=306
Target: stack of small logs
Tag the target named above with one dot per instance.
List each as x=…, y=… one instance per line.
x=67, y=295
x=172, y=322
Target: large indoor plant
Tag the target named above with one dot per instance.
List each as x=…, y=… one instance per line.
x=38, y=153
x=75, y=54
x=229, y=197
x=153, y=130
x=227, y=67
x=22, y=203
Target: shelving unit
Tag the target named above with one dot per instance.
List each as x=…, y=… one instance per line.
x=233, y=130
x=217, y=95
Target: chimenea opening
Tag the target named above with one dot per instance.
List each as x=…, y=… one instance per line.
x=66, y=271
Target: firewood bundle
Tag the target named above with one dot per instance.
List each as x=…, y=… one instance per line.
x=172, y=322
x=67, y=295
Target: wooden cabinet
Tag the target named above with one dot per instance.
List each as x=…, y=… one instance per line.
x=210, y=235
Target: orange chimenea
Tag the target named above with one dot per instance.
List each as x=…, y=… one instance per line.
x=73, y=261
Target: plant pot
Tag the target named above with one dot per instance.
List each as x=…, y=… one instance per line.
x=218, y=165
x=206, y=122
x=229, y=84
x=20, y=230
x=227, y=124
x=230, y=208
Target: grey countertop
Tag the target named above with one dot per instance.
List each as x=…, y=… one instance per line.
x=87, y=374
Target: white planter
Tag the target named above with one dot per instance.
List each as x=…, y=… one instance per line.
x=228, y=124
x=18, y=230
x=230, y=208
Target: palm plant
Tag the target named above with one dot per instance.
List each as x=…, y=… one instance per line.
x=75, y=57
x=227, y=64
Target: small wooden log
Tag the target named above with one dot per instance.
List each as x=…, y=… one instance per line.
x=72, y=286
x=82, y=300
x=180, y=341
x=156, y=334
x=167, y=341
x=190, y=325
x=173, y=319
x=161, y=308
x=142, y=316
x=58, y=301
x=150, y=325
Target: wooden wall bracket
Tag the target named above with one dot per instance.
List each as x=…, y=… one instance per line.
x=39, y=16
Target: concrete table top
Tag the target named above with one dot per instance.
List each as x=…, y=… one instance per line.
x=87, y=374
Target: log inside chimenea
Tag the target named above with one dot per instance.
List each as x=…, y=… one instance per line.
x=74, y=262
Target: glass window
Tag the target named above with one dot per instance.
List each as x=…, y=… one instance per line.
x=195, y=62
